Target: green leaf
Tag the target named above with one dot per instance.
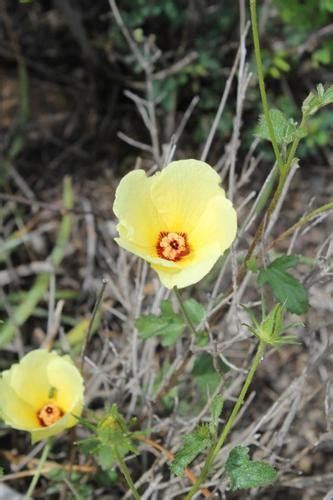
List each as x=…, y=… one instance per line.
x=216, y=408
x=205, y=375
x=316, y=101
x=167, y=325
x=194, y=444
x=285, y=130
x=245, y=473
x=286, y=289
x=195, y=310
x=105, y=457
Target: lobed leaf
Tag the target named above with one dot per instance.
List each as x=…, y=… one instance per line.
x=285, y=129
x=245, y=473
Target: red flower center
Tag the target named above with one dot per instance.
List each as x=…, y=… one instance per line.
x=172, y=246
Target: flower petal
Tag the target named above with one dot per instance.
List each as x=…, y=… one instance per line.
x=139, y=219
x=192, y=271
x=181, y=192
x=29, y=377
x=67, y=381
x=218, y=223
x=14, y=410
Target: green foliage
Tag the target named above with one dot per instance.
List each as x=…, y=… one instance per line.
x=205, y=375
x=276, y=63
x=194, y=444
x=272, y=327
x=304, y=15
x=111, y=439
x=245, y=473
x=285, y=130
x=169, y=325
x=198, y=440
x=323, y=55
x=216, y=408
x=316, y=101
x=286, y=289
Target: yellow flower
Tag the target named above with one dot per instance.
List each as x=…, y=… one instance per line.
x=41, y=394
x=178, y=220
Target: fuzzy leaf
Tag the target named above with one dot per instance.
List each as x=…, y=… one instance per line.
x=285, y=129
x=317, y=100
x=194, y=444
x=286, y=289
x=245, y=473
x=216, y=408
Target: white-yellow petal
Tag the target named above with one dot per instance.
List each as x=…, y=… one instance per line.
x=181, y=192
x=192, y=271
x=138, y=216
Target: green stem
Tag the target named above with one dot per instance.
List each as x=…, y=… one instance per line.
x=37, y=474
x=213, y=452
x=260, y=72
x=127, y=476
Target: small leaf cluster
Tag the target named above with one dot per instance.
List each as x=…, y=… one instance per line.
x=111, y=439
x=168, y=325
x=317, y=100
x=287, y=130
x=198, y=440
x=271, y=329
x=246, y=473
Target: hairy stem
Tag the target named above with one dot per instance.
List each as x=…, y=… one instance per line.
x=126, y=473
x=214, y=450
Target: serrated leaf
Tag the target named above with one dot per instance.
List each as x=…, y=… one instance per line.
x=194, y=444
x=317, y=100
x=245, y=473
x=216, y=408
x=285, y=129
x=286, y=289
